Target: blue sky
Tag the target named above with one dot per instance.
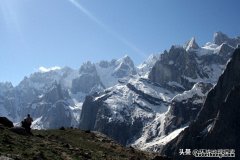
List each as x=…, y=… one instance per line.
x=35, y=33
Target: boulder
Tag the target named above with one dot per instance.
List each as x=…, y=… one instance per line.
x=6, y=122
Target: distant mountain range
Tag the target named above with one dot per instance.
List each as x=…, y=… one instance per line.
x=146, y=106
x=54, y=98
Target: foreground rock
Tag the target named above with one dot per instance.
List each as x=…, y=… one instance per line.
x=6, y=122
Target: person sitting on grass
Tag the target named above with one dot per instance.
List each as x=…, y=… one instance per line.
x=26, y=123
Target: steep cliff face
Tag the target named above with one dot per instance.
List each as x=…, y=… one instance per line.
x=217, y=125
x=184, y=107
x=90, y=108
x=173, y=66
x=88, y=80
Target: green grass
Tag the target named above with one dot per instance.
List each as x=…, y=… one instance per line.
x=69, y=144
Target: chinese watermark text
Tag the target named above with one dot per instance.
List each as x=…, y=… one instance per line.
x=217, y=153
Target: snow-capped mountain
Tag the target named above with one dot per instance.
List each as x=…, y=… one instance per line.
x=191, y=45
x=116, y=70
x=145, y=110
x=54, y=96
x=121, y=111
x=187, y=65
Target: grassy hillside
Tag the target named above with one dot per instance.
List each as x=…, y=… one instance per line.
x=65, y=144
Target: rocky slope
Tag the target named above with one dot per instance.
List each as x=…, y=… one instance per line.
x=62, y=144
x=217, y=125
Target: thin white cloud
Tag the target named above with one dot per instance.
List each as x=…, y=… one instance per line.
x=44, y=69
x=107, y=28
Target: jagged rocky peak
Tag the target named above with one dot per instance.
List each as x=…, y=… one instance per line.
x=127, y=60
x=43, y=80
x=150, y=61
x=88, y=68
x=66, y=70
x=152, y=58
x=220, y=38
x=114, y=63
x=56, y=93
x=124, y=67
x=4, y=86
x=191, y=44
x=173, y=65
x=189, y=64
x=225, y=50
x=146, y=66
x=88, y=80
x=104, y=64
